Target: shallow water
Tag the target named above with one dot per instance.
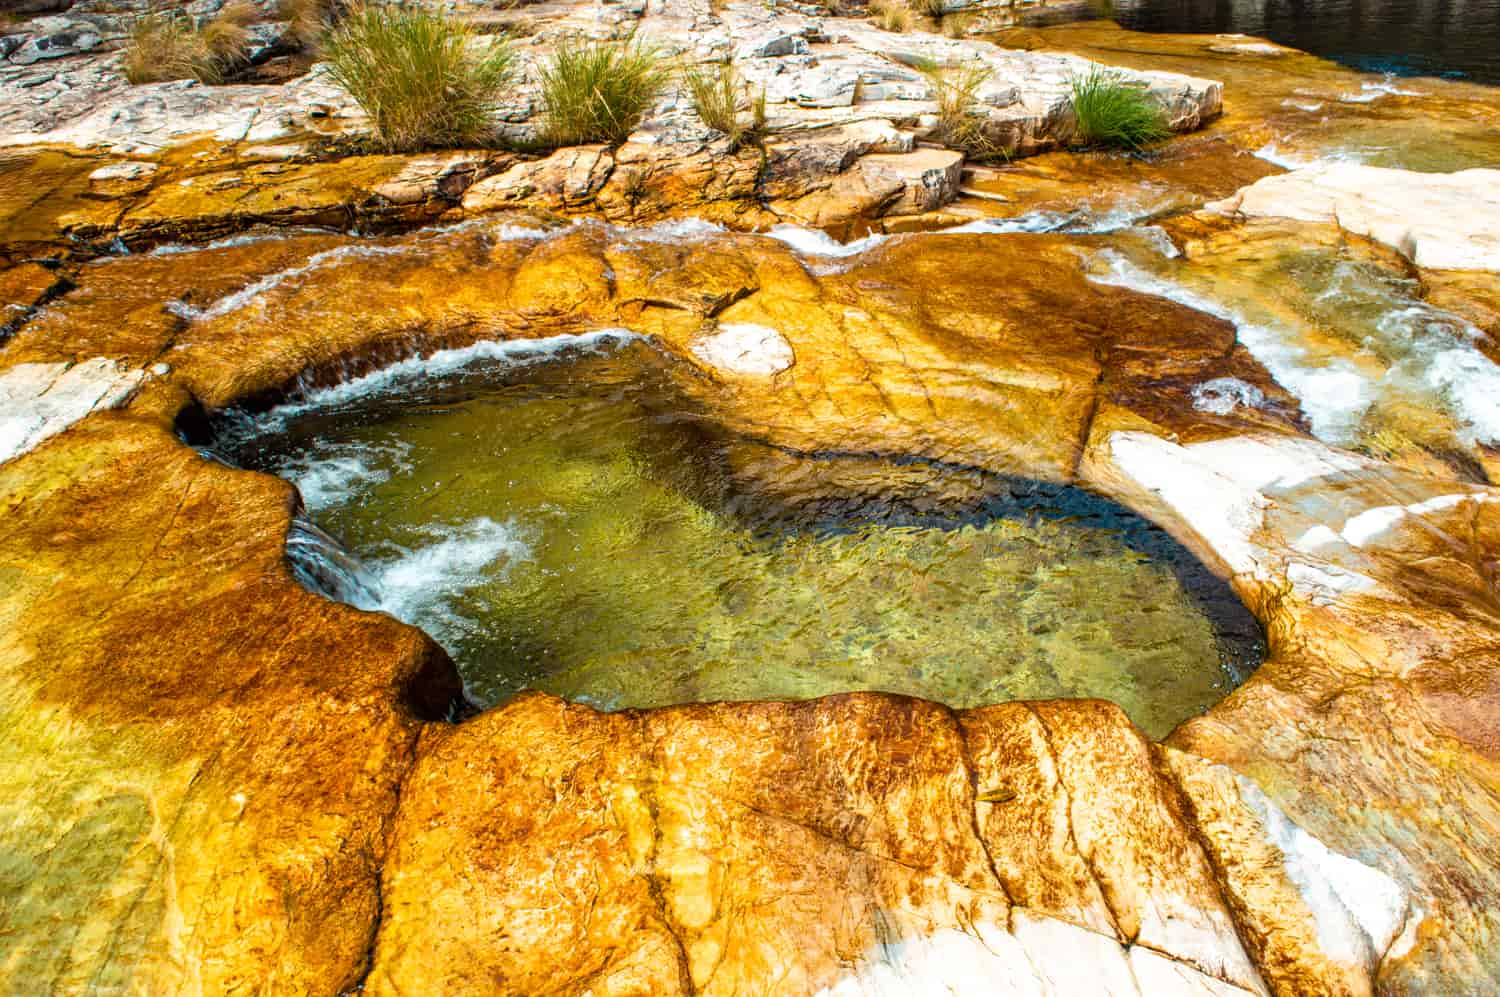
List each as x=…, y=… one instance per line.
x=1404, y=37
x=566, y=522
x=1372, y=364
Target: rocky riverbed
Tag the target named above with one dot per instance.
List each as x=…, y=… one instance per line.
x=1275, y=336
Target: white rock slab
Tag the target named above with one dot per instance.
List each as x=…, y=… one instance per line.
x=1447, y=221
x=40, y=400
x=745, y=348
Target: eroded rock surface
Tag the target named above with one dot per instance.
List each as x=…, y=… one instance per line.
x=845, y=108
x=200, y=755
x=842, y=846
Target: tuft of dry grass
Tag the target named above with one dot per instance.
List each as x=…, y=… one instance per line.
x=722, y=98
x=961, y=124
x=892, y=15
x=308, y=20
x=424, y=79
x=599, y=91
x=170, y=46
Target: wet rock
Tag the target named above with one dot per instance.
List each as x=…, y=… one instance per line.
x=194, y=798
x=1377, y=611
x=929, y=178
x=1327, y=829
x=1438, y=220
x=122, y=178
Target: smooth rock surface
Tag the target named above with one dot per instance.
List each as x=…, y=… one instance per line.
x=1441, y=220
x=40, y=400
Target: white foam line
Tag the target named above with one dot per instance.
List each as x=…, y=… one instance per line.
x=812, y=242
x=239, y=299
x=1333, y=396
x=507, y=351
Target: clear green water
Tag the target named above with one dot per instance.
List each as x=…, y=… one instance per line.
x=571, y=525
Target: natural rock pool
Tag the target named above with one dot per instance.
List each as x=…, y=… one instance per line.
x=559, y=517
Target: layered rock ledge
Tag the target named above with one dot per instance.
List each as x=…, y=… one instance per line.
x=850, y=131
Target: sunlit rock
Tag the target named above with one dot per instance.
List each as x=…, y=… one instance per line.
x=745, y=349
x=38, y=401
x=1440, y=220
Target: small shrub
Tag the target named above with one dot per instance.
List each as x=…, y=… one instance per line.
x=599, y=91
x=961, y=125
x=423, y=79
x=1113, y=111
x=307, y=20
x=169, y=46
x=931, y=8
x=892, y=15
x=719, y=96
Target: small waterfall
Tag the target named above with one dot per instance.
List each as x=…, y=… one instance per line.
x=322, y=564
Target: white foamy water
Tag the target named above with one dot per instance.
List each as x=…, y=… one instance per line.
x=1369, y=92
x=419, y=585
x=245, y=239
x=416, y=243
x=1430, y=353
x=423, y=367
x=1223, y=395
x=331, y=475
x=1080, y=221
x=1333, y=393
x=812, y=242
x=1444, y=361
x=245, y=295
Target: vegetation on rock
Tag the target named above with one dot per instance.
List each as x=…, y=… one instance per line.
x=961, y=125
x=892, y=15
x=599, y=91
x=1113, y=111
x=170, y=46
x=307, y=20
x=423, y=78
x=721, y=98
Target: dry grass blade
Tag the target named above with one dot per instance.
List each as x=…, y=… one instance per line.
x=599, y=91
x=424, y=79
x=892, y=15
x=961, y=123
x=307, y=20
x=720, y=97
x=169, y=46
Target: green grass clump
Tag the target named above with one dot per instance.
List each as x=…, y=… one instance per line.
x=599, y=91
x=1113, y=111
x=425, y=80
x=961, y=124
x=170, y=46
x=723, y=102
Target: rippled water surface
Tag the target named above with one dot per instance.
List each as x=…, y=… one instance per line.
x=1402, y=37
x=570, y=526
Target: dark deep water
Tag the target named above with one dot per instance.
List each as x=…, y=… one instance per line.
x=1453, y=38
